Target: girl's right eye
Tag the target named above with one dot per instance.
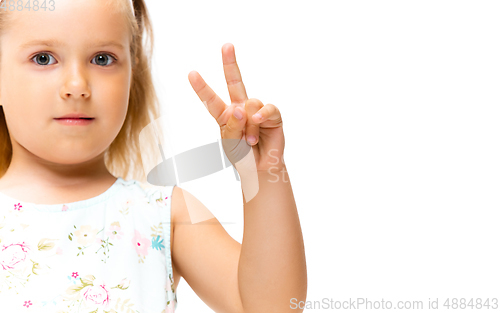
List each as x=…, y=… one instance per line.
x=43, y=57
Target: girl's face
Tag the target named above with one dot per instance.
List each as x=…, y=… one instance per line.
x=74, y=59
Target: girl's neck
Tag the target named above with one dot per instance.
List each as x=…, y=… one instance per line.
x=43, y=193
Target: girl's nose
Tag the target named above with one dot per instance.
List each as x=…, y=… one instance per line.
x=75, y=83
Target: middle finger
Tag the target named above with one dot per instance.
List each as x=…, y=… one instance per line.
x=235, y=85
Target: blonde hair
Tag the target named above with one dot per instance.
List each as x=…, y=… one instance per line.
x=123, y=156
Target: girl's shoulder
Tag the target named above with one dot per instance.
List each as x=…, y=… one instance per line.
x=144, y=186
x=153, y=194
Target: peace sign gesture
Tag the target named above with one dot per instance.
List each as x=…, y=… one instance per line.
x=244, y=120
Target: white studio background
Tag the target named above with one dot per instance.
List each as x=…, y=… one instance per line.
x=391, y=118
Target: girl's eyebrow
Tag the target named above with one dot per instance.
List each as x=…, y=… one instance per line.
x=55, y=42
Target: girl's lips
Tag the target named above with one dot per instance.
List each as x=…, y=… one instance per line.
x=75, y=121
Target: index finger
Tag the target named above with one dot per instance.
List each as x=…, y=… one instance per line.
x=210, y=99
x=232, y=73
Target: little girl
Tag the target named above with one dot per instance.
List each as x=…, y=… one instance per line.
x=81, y=230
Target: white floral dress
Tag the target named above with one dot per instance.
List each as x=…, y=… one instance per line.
x=110, y=253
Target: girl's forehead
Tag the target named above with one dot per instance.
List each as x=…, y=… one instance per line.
x=71, y=20
x=62, y=11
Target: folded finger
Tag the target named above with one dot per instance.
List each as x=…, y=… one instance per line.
x=269, y=115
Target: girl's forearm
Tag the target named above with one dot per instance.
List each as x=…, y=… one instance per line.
x=272, y=265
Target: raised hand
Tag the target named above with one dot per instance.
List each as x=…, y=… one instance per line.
x=247, y=126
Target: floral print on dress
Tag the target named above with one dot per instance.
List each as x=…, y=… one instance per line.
x=141, y=244
x=87, y=237
x=127, y=204
x=156, y=195
x=169, y=288
x=95, y=295
x=20, y=258
x=157, y=237
x=115, y=231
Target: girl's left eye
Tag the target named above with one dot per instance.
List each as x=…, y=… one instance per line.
x=107, y=57
x=101, y=59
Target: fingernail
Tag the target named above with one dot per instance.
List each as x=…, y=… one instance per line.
x=251, y=139
x=257, y=116
x=237, y=113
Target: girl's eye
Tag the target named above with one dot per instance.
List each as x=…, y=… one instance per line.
x=42, y=58
x=101, y=59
